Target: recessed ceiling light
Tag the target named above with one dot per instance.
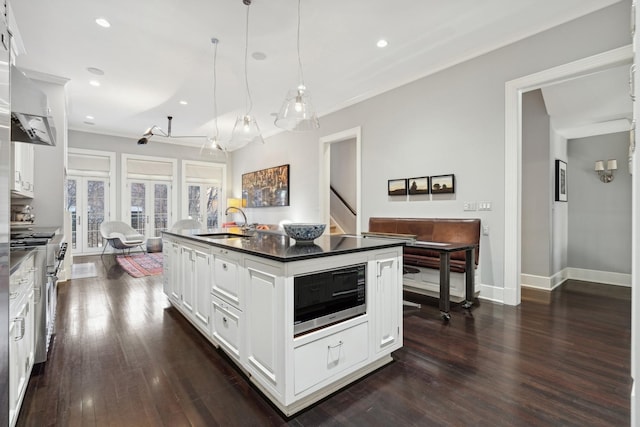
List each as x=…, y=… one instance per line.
x=96, y=71
x=89, y=117
x=382, y=43
x=259, y=56
x=183, y=102
x=94, y=83
x=103, y=22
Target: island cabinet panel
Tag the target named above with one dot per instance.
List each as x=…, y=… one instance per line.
x=171, y=270
x=387, y=301
x=226, y=277
x=226, y=326
x=321, y=360
x=265, y=324
x=187, y=260
x=202, y=281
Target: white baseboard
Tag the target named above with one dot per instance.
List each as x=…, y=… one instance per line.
x=491, y=293
x=607, y=277
x=550, y=283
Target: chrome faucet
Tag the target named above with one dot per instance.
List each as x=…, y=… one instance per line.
x=246, y=223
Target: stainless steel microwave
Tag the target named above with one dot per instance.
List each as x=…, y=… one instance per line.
x=323, y=298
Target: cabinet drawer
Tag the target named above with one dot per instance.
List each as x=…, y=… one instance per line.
x=319, y=360
x=225, y=280
x=226, y=326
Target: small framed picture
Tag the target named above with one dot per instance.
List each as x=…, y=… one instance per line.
x=561, y=181
x=397, y=187
x=443, y=184
x=419, y=185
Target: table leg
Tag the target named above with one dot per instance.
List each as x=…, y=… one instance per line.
x=445, y=258
x=469, y=278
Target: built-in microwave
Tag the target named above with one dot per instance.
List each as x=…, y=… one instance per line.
x=326, y=297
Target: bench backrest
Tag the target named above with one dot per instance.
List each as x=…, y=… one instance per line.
x=444, y=230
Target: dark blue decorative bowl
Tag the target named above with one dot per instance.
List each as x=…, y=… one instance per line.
x=304, y=233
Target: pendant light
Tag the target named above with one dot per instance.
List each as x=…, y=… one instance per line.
x=246, y=129
x=297, y=112
x=212, y=145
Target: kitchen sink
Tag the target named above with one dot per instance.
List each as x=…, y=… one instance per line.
x=220, y=235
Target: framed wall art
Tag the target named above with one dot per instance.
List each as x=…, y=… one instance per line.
x=397, y=187
x=443, y=184
x=561, y=181
x=266, y=188
x=419, y=185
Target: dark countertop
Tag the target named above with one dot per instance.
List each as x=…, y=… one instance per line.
x=17, y=255
x=279, y=247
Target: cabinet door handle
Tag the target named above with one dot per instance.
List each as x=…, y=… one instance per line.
x=224, y=266
x=224, y=320
x=329, y=347
x=632, y=82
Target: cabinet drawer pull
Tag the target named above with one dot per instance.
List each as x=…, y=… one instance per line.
x=224, y=266
x=22, y=327
x=329, y=347
x=224, y=320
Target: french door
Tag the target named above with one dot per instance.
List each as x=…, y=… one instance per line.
x=88, y=202
x=149, y=206
x=204, y=203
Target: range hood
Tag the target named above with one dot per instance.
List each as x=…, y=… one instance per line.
x=31, y=119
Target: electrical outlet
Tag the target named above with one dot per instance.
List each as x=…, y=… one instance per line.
x=470, y=206
x=485, y=230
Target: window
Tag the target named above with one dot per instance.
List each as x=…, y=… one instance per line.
x=203, y=189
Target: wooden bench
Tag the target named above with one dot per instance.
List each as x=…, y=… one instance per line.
x=441, y=230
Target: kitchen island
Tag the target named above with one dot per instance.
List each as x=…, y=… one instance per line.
x=237, y=289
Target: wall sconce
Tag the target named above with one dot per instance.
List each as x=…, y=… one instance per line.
x=606, y=175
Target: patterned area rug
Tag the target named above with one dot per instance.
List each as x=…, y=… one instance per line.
x=140, y=265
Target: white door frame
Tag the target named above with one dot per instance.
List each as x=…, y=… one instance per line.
x=513, y=151
x=325, y=173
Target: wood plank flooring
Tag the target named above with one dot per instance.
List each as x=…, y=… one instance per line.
x=123, y=357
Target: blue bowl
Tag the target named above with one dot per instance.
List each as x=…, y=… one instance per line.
x=304, y=233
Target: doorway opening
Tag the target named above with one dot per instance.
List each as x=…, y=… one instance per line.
x=350, y=136
x=513, y=152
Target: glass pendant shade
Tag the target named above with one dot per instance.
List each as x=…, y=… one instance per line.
x=210, y=148
x=297, y=112
x=245, y=131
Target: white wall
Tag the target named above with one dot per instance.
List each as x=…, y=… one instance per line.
x=560, y=210
x=448, y=122
x=599, y=213
x=536, y=185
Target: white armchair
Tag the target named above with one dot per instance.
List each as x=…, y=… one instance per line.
x=120, y=236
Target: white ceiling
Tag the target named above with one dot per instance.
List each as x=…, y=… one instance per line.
x=157, y=53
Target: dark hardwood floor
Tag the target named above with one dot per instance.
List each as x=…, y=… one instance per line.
x=123, y=357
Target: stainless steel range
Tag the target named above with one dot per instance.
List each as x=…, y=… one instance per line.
x=50, y=252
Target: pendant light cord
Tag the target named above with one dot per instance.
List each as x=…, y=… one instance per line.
x=300, y=73
x=249, y=101
x=215, y=84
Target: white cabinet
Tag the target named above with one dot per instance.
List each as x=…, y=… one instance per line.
x=187, y=262
x=264, y=314
x=21, y=334
x=22, y=168
x=195, y=266
x=226, y=279
x=324, y=358
x=226, y=326
x=202, y=288
x=387, y=300
x=172, y=266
